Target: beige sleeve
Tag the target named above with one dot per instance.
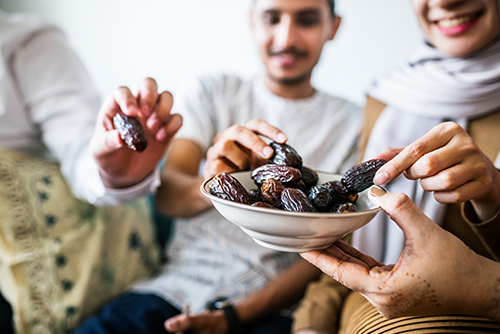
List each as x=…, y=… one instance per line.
x=320, y=308
x=487, y=231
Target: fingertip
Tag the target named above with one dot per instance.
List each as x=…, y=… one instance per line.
x=381, y=177
x=267, y=152
x=281, y=138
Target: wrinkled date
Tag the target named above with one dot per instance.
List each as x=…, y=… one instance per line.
x=344, y=208
x=131, y=132
x=263, y=205
x=226, y=186
x=271, y=192
x=284, y=174
x=309, y=176
x=320, y=197
x=285, y=155
x=360, y=177
x=295, y=200
x=339, y=193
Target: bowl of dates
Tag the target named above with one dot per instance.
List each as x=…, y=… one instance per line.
x=294, y=208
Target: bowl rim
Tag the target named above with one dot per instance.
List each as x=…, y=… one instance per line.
x=282, y=212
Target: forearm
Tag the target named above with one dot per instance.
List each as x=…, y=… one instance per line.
x=280, y=293
x=179, y=194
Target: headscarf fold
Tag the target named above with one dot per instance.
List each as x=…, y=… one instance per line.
x=433, y=87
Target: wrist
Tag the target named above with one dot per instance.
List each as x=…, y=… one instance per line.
x=230, y=313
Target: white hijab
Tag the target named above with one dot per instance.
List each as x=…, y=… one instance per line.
x=433, y=87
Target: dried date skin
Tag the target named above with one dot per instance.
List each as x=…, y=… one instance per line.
x=340, y=194
x=360, y=177
x=295, y=200
x=344, y=208
x=255, y=196
x=227, y=187
x=263, y=205
x=284, y=174
x=320, y=197
x=285, y=155
x=309, y=176
x=271, y=192
x=131, y=132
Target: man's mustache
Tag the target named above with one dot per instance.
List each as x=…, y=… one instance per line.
x=288, y=51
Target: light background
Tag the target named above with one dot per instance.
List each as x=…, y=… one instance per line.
x=122, y=41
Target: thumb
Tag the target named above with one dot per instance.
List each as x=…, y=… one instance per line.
x=403, y=212
x=106, y=142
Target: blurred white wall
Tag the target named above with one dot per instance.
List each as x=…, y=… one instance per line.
x=122, y=41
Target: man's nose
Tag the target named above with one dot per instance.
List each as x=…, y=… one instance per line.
x=285, y=34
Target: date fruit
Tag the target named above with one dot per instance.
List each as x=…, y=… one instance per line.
x=226, y=186
x=131, y=132
x=309, y=176
x=360, y=177
x=344, y=208
x=284, y=174
x=320, y=197
x=295, y=200
x=271, y=192
x=285, y=155
x=263, y=205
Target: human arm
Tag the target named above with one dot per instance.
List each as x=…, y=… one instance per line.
x=236, y=148
x=63, y=107
x=282, y=292
x=424, y=281
x=448, y=162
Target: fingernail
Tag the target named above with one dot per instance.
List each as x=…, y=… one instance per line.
x=377, y=192
x=267, y=151
x=381, y=178
x=282, y=137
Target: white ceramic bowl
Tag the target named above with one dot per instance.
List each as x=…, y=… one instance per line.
x=292, y=231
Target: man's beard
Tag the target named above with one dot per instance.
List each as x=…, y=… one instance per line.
x=291, y=81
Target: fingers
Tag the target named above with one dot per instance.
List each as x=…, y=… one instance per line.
x=414, y=223
x=147, y=96
x=248, y=136
x=267, y=130
x=346, y=270
x=178, y=323
x=160, y=112
x=438, y=137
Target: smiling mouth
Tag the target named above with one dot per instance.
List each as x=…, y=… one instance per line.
x=458, y=21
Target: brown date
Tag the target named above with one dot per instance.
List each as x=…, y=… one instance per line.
x=309, y=176
x=339, y=193
x=285, y=155
x=131, y=132
x=360, y=177
x=344, y=208
x=320, y=197
x=295, y=200
x=255, y=196
x=284, y=174
x=271, y=192
x=263, y=205
x=226, y=186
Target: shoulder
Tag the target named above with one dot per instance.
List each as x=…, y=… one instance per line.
x=18, y=29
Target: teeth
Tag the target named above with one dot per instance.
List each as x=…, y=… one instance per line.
x=455, y=22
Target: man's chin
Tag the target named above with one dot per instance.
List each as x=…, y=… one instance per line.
x=290, y=81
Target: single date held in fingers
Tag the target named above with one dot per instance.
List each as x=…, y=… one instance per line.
x=131, y=132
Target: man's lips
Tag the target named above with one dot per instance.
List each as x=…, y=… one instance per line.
x=287, y=59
